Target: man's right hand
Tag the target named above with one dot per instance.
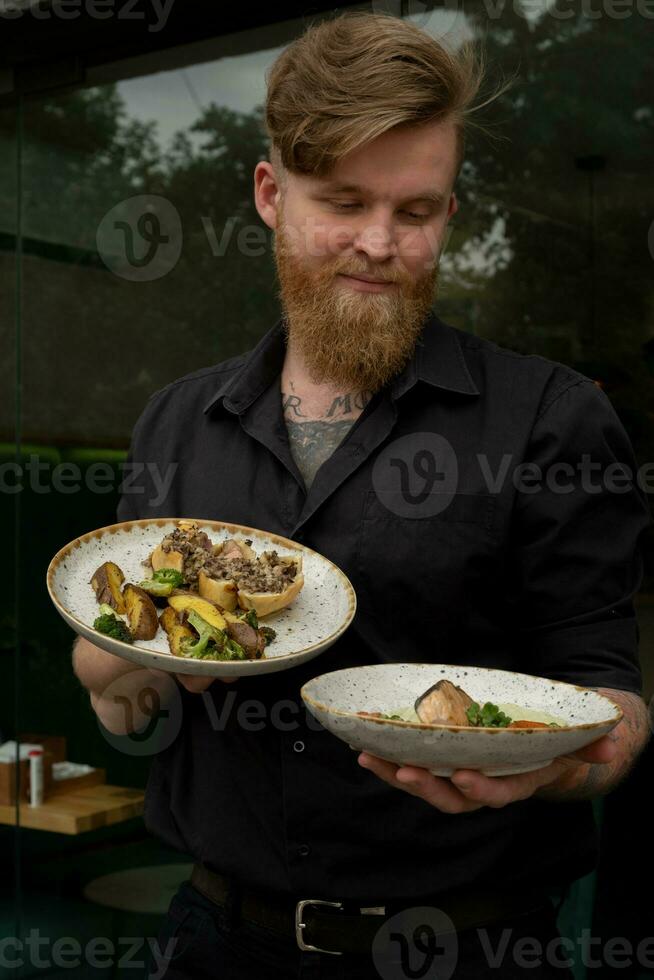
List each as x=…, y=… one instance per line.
x=196, y=685
x=113, y=682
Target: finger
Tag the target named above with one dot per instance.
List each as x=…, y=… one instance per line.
x=196, y=685
x=435, y=790
x=602, y=751
x=498, y=791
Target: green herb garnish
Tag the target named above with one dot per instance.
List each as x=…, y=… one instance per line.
x=489, y=716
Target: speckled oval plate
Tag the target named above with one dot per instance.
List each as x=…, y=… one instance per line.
x=335, y=699
x=322, y=611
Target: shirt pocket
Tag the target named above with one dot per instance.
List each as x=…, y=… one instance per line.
x=419, y=579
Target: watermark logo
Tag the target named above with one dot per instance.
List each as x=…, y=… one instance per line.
x=140, y=238
x=416, y=943
x=151, y=719
x=154, y=12
x=38, y=952
x=440, y=17
x=416, y=476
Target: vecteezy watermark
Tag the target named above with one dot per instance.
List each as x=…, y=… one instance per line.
x=43, y=477
x=442, y=16
x=416, y=943
x=530, y=952
x=422, y=942
x=145, y=716
x=140, y=238
x=154, y=12
x=417, y=475
x=65, y=952
x=144, y=719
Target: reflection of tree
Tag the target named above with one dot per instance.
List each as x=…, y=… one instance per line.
x=583, y=87
x=232, y=294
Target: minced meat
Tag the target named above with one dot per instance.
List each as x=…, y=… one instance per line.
x=266, y=573
x=195, y=548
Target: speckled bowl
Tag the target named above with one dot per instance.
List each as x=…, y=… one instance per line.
x=335, y=699
x=321, y=612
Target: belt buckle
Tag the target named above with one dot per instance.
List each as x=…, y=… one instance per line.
x=300, y=925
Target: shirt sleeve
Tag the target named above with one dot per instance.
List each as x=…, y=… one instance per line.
x=576, y=545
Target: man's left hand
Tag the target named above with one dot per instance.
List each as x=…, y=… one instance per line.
x=467, y=789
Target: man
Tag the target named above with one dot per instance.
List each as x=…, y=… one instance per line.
x=451, y=480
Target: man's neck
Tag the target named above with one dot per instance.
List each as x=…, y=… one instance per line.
x=304, y=400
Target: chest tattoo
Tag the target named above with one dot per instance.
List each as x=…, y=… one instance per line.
x=313, y=440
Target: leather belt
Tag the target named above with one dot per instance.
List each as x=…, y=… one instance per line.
x=347, y=927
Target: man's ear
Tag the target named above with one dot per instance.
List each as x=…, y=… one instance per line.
x=453, y=206
x=267, y=192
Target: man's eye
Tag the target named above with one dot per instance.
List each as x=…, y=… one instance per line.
x=417, y=217
x=411, y=214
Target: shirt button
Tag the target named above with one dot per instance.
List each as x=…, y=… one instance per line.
x=298, y=746
x=304, y=850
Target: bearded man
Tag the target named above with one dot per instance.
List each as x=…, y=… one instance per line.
x=367, y=428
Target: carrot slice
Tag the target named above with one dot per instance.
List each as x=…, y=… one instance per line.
x=528, y=724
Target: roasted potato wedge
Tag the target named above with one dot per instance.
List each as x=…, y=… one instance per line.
x=141, y=613
x=265, y=603
x=107, y=582
x=203, y=607
x=175, y=630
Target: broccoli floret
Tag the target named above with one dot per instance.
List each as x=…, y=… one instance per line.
x=162, y=582
x=209, y=643
x=489, y=716
x=111, y=625
x=268, y=633
x=233, y=651
x=212, y=643
x=251, y=618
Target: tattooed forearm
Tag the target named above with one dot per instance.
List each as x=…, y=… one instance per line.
x=587, y=780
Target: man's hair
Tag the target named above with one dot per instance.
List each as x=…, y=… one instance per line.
x=348, y=79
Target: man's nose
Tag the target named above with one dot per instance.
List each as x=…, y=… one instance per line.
x=376, y=237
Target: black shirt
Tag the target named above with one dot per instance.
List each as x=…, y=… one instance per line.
x=453, y=560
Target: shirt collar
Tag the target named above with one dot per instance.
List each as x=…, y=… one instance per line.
x=438, y=360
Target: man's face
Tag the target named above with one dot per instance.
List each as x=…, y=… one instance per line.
x=372, y=216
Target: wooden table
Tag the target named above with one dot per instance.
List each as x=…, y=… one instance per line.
x=87, y=808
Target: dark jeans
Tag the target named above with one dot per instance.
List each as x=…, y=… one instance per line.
x=197, y=940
